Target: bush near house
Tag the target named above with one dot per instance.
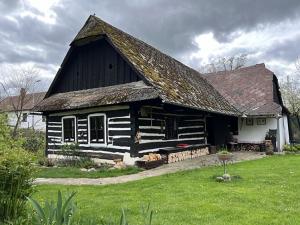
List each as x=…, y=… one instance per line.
x=292, y=148
x=33, y=141
x=16, y=172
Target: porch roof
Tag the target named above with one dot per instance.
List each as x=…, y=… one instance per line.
x=130, y=92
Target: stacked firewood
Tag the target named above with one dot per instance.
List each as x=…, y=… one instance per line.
x=152, y=157
x=199, y=152
x=179, y=156
x=250, y=147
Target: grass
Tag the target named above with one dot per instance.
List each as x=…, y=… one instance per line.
x=73, y=172
x=267, y=193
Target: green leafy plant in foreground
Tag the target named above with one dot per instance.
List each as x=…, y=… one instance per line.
x=60, y=213
x=146, y=212
x=63, y=211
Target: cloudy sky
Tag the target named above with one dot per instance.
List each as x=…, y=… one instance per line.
x=37, y=33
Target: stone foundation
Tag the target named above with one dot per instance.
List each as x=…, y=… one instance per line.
x=188, y=154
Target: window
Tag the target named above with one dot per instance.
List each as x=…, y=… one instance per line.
x=171, y=131
x=261, y=121
x=43, y=118
x=249, y=121
x=24, y=117
x=69, y=129
x=97, y=129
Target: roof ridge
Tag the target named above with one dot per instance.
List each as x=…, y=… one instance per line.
x=13, y=96
x=257, y=65
x=135, y=38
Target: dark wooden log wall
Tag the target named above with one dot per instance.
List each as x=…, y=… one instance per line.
x=191, y=129
x=118, y=130
x=94, y=65
x=121, y=130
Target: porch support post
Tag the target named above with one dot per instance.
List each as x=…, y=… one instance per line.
x=278, y=133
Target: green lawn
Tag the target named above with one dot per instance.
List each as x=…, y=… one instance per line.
x=268, y=193
x=73, y=172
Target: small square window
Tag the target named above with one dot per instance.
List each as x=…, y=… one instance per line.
x=249, y=121
x=24, y=117
x=43, y=118
x=261, y=121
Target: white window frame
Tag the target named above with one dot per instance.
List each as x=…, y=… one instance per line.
x=89, y=130
x=62, y=129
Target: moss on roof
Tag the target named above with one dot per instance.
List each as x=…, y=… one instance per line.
x=175, y=82
x=130, y=92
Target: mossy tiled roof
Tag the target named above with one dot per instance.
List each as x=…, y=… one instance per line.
x=130, y=92
x=249, y=89
x=175, y=82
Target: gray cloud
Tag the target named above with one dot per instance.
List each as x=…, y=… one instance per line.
x=171, y=25
x=168, y=25
x=288, y=50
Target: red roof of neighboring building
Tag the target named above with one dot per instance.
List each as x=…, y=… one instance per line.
x=252, y=90
x=12, y=103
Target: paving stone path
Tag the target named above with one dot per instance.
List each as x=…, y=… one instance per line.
x=190, y=164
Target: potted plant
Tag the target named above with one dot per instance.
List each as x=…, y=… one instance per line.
x=270, y=141
x=224, y=156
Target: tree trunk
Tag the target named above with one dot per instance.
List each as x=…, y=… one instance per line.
x=14, y=134
x=298, y=120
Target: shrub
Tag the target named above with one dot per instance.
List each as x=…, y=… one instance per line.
x=6, y=140
x=86, y=162
x=292, y=148
x=46, y=162
x=79, y=162
x=33, y=141
x=16, y=172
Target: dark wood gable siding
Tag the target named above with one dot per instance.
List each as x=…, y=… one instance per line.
x=93, y=65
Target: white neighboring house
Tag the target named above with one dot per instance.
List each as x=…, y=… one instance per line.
x=254, y=91
x=29, y=118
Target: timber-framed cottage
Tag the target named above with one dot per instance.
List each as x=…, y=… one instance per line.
x=117, y=96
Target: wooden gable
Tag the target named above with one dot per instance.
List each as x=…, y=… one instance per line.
x=93, y=65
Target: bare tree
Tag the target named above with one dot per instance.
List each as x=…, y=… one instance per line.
x=297, y=64
x=16, y=87
x=226, y=64
x=290, y=89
